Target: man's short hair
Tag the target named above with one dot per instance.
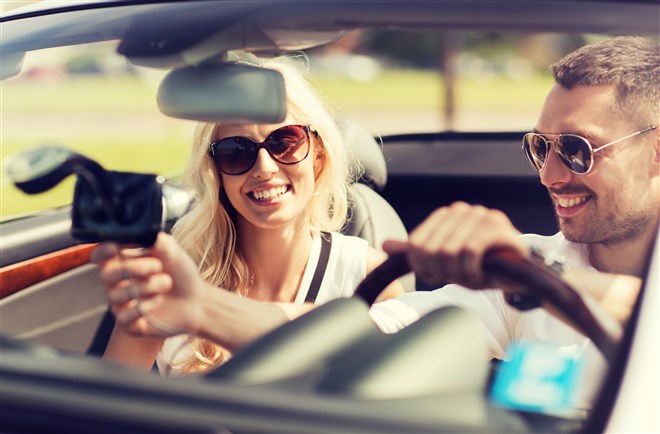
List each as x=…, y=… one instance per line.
x=630, y=63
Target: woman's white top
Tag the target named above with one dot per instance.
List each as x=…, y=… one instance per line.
x=347, y=266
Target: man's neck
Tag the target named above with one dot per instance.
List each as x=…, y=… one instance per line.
x=622, y=258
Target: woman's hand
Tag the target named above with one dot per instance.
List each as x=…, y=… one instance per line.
x=153, y=292
x=449, y=246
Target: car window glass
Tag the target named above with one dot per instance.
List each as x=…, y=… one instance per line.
x=409, y=82
x=91, y=100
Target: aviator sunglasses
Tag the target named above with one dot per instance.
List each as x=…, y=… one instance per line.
x=576, y=152
x=236, y=155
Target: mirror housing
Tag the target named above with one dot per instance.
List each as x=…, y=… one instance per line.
x=11, y=64
x=224, y=92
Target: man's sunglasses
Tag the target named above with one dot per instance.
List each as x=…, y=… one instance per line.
x=236, y=155
x=576, y=152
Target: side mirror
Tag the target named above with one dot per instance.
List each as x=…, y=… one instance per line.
x=224, y=92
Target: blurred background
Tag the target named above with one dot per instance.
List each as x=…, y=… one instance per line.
x=91, y=100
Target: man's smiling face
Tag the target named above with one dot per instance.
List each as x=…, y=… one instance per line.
x=619, y=199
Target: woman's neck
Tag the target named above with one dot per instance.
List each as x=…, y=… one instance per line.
x=276, y=259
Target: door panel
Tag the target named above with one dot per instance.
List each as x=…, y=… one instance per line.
x=63, y=311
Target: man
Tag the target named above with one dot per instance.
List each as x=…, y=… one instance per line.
x=598, y=153
x=607, y=201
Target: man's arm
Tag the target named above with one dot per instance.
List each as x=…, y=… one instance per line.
x=610, y=297
x=449, y=246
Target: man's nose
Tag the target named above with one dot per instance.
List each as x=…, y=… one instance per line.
x=554, y=173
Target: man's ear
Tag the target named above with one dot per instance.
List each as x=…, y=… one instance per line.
x=656, y=153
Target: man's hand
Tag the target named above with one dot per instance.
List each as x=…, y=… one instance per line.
x=450, y=244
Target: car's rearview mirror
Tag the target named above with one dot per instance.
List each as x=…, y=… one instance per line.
x=11, y=64
x=223, y=92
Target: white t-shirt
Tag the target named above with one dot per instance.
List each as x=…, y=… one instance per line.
x=347, y=266
x=504, y=324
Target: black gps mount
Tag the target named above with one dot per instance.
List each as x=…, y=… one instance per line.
x=107, y=206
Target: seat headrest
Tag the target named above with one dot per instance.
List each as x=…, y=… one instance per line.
x=361, y=145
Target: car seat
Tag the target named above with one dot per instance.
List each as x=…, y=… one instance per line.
x=370, y=216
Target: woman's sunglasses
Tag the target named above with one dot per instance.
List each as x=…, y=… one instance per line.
x=236, y=155
x=576, y=152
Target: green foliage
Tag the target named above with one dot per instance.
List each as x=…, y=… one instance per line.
x=81, y=94
x=418, y=89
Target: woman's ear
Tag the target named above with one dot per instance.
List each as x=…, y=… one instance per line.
x=319, y=155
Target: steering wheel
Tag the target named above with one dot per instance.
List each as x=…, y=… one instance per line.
x=542, y=283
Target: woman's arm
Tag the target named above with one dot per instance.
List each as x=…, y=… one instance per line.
x=158, y=292
x=133, y=351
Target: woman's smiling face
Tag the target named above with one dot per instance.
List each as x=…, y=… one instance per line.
x=270, y=195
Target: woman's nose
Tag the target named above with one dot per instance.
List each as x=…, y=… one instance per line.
x=265, y=164
x=554, y=173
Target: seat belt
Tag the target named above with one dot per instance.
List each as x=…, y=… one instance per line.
x=321, y=265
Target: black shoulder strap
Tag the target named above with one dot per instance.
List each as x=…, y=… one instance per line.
x=315, y=285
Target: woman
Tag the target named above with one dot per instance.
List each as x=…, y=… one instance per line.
x=267, y=199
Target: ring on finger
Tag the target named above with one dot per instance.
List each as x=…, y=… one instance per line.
x=140, y=309
x=132, y=292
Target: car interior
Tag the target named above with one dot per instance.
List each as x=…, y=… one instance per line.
x=331, y=370
x=359, y=362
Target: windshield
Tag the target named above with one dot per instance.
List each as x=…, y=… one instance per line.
x=410, y=82
x=88, y=99
x=92, y=100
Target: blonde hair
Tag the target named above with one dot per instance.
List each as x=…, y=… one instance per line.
x=208, y=231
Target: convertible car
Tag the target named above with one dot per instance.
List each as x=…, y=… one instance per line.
x=433, y=96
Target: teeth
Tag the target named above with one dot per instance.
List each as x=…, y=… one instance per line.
x=567, y=203
x=269, y=194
